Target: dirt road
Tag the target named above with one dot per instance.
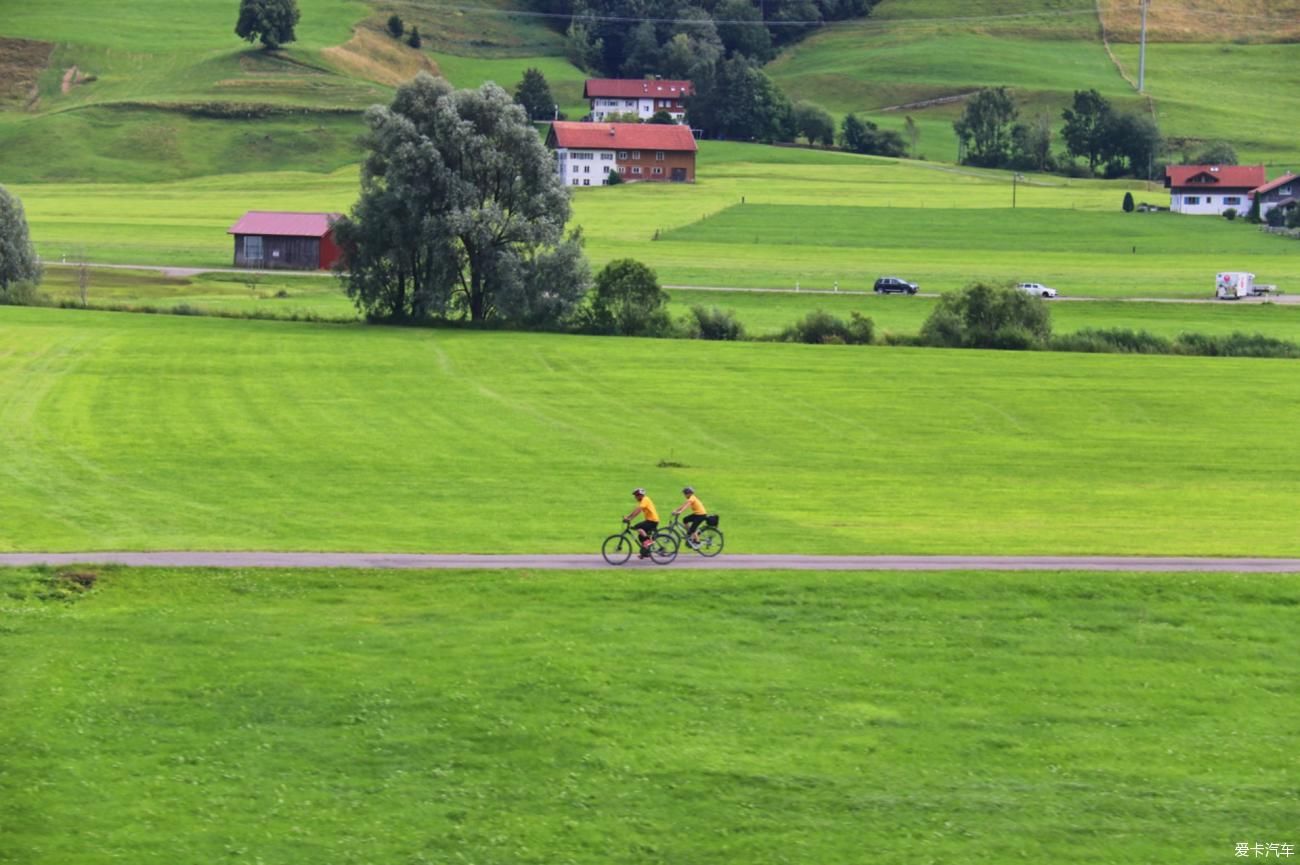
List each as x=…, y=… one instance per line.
x=740, y=562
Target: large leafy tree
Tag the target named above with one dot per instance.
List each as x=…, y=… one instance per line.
x=627, y=300
x=734, y=99
x=18, y=261
x=863, y=136
x=461, y=212
x=1086, y=126
x=271, y=21
x=984, y=128
x=534, y=94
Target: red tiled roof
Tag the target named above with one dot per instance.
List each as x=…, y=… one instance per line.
x=635, y=88
x=1281, y=181
x=284, y=224
x=1231, y=176
x=622, y=136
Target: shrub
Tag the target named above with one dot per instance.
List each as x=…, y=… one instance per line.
x=1235, y=345
x=714, y=323
x=1293, y=218
x=395, y=26
x=1112, y=341
x=22, y=294
x=1275, y=218
x=414, y=39
x=1230, y=214
x=1128, y=202
x=988, y=316
x=821, y=328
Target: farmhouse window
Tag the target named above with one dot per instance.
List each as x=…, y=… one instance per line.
x=622, y=154
x=1232, y=199
x=636, y=154
x=606, y=157
x=658, y=170
x=253, y=248
x=586, y=182
x=1285, y=190
x=659, y=155
x=636, y=169
x=629, y=103
x=1191, y=199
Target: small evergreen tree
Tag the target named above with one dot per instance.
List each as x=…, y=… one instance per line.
x=1128, y=202
x=395, y=26
x=414, y=39
x=614, y=178
x=534, y=94
x=1253, y=215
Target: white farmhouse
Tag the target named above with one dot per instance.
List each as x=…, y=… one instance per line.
x=1212, y=189
x=642, y=97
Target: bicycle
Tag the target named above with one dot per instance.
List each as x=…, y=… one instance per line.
x=711, y=539
x=618, y=548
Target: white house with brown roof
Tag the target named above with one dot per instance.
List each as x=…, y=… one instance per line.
x=642, y=97
x=586, y=152
x=1212, y=189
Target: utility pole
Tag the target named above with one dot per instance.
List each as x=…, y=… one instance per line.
x=1142, y=51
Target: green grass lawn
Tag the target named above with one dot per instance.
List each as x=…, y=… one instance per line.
x=160, y=432
x=665, y=716
x=1228, y=92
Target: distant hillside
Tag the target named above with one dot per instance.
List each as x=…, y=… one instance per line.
x=1215, y=70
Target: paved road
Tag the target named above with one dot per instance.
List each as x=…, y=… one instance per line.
x=169, y=270
x=747, y=562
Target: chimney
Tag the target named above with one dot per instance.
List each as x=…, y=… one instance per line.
x=612, y=130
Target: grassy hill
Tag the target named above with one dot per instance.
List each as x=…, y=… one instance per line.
x=919, y=58
x=162, y=432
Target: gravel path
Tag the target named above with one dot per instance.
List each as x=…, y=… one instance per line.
x=579, y=562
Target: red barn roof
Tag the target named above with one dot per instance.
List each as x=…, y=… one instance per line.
x=635, y=88
x=621, y=136
x=284, y=223
x=1216, y=176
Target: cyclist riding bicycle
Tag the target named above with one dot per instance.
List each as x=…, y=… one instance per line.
x=696, y=518
x=647, y=527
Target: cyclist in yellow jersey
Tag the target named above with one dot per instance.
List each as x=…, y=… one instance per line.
x=649, y=525
x=699, y=513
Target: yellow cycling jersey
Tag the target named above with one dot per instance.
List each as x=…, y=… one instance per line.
x=648, y=509
x=697, y=507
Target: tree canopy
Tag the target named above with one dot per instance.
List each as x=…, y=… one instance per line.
x=18, y=261
x=271, y=21
x=984, y=128
x=461, y=213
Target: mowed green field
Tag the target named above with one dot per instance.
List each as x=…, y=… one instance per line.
x=662, y=716
x=808, y=217
x=161, y=432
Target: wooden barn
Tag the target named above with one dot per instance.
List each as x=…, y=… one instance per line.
x=268, y=239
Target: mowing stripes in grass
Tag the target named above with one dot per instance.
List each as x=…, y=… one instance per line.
x=303, y=717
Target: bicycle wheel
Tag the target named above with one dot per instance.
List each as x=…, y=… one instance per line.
x=710, y=542
x=617, y=549
x=664, y=548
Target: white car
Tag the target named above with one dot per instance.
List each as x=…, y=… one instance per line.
x=1037, y=289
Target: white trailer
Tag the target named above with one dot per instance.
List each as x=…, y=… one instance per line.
x=1234, y=284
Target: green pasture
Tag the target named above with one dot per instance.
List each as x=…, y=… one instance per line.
x=808, y=217
x=645, y=716
x=565, y=79
x=1228, y=92
x=163, y=432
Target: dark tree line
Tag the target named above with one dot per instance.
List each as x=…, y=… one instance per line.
x=630, y=38
x=990, y=134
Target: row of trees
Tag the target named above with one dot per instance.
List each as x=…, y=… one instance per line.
x=618, y=38
x=991, y=135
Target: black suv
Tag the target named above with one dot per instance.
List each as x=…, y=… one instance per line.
x=887, y=284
